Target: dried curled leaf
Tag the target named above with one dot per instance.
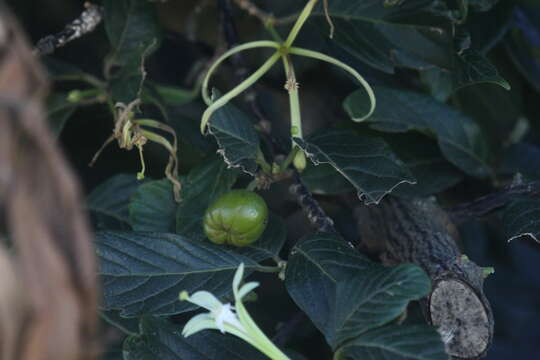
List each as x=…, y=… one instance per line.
x=52, y=257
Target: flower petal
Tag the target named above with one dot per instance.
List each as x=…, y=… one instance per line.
x=246, y=288
x=238, y=275
x=197, y=323
x=206, y=300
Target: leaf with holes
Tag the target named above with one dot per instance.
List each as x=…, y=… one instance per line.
x=236, y=136
x=522, y=219
x=367, y=163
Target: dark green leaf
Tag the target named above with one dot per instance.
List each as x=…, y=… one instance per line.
x=496, y=111
x=145, y=272
x=522, y=158
x=132, y=26
x=367, y=163
x=344, y=293
x=270, y=243
x=439, y=82
x=152, y=207
x=237, y=139
x=522, y=43
x=323, y=179
x=203, y=184
x=61, y=70
x=458, y=136
x=416, y=342
x=423, y=158
x=471, y=68
x=163, y=340
x=404, y=34
x=59, y=110
x=108, y=203
x=482, y=5
x=127, y=325
x=134, y=33
x=522, y=219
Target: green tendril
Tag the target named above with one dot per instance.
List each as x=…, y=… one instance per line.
x=320, y=56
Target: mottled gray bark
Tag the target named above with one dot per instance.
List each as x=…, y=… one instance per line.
x=420, y=232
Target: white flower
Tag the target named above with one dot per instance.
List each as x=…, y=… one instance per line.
x=230, y=319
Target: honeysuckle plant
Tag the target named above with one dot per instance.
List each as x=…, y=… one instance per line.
x=229, y=319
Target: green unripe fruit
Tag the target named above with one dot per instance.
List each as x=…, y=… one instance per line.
x=237, y=218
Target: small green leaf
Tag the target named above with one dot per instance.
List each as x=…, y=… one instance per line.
x=59, y=110
x=203, y=184
x=367, y=163
x=236, y=136
x=134, y=33
x=144, y=272
x=522, y=219
x=108, y=202
x=344, y=293
x=132, y=26
x=153, y=208
x=471, y=68
x=163, y=340
x=413, y=342
x=459, y=138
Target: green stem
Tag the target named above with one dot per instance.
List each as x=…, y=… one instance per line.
x=252, y=185
x=285, y=164
x=265, y=166
x=294, y=100
x=275, y=35
x=87, y=78
x=320, y=56
x=304, y=15
x=236, y=49
x=222, y=101
x=261, y=342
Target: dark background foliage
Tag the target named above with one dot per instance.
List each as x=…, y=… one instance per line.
x=508, y=121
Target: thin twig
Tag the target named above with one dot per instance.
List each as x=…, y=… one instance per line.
x=89, y=19
x=488, y=203
x=265, y=17
x=311, y=207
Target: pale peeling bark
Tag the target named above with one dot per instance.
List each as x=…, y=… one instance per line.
x=420, y=232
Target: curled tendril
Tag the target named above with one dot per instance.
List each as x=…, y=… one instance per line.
x=282, y=51
x=225, y=56
x=320, y=56
x=222, y=101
